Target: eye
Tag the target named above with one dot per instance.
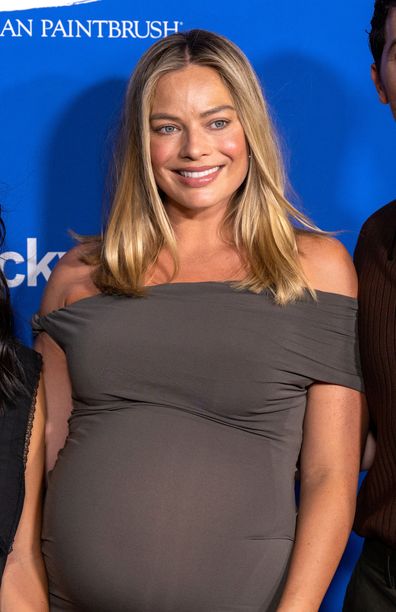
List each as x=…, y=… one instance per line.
x=166, y=129
x=219, y=124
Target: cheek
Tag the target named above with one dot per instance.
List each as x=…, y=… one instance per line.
x=392, y=80
x=389, y=82
x=388, y=76
x=159, y=155
x=234, y=145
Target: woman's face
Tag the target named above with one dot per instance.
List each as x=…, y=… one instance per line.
x=198, y=148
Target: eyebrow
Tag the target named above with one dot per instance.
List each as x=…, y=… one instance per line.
x=211, y=111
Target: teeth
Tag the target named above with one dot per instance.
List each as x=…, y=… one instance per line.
x=199, y=174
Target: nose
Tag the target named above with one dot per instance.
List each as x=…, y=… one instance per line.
x=195, y=144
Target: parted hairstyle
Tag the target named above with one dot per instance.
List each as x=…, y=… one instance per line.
x=11, y=372
x=377, y=33
x=261, y=221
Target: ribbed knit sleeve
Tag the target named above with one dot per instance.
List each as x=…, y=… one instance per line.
x=375, y=261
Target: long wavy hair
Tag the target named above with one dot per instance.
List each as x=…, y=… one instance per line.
x=260, y=219
x=12, y=378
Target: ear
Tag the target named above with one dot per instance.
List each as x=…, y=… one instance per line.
x=376, y=78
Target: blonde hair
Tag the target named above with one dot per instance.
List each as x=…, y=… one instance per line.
x=259, y=216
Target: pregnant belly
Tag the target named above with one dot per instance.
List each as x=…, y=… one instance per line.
x=156, y=510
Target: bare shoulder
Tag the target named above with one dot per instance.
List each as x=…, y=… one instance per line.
x=70, y=281
x=327, y=264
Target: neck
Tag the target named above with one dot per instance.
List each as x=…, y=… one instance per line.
x=197, y=231
x=204, y=252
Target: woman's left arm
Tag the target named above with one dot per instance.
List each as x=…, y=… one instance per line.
x=24, y=583
x=334, y=426
x=335, y=430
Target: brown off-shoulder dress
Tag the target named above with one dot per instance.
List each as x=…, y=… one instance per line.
x=174, y=491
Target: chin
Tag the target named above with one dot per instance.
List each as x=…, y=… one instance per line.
x=206, y=203
x=195, y=202
x=191, y=206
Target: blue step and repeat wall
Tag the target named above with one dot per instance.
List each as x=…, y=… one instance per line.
x=63, y=70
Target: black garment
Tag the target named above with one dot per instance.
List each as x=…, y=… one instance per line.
x=372, y=587
x=375, y=261
x=15, y=428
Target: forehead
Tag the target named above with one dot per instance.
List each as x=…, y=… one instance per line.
x=194, y=86
x=390, y=26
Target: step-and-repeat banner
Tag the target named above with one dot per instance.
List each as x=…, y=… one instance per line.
x=63, y=70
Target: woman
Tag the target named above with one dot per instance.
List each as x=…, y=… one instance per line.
x=23, y=584
x=197, y=337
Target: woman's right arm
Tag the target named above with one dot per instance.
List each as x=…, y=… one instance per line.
x=55, y=372
x=58, y=396
x=69, y=282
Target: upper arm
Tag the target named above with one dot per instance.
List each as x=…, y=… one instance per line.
x=56, y=382
x=335, y=427
x=336, y=419
x=327, y=264
x=69, y=281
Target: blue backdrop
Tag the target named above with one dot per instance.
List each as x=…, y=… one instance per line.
x=63, y=72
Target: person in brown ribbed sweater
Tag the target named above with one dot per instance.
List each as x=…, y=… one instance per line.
x=372, y=587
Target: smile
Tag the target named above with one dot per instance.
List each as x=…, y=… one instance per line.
x=199, y=174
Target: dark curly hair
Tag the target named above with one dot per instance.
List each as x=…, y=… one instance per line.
x=11, y=372
x=377, y=34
